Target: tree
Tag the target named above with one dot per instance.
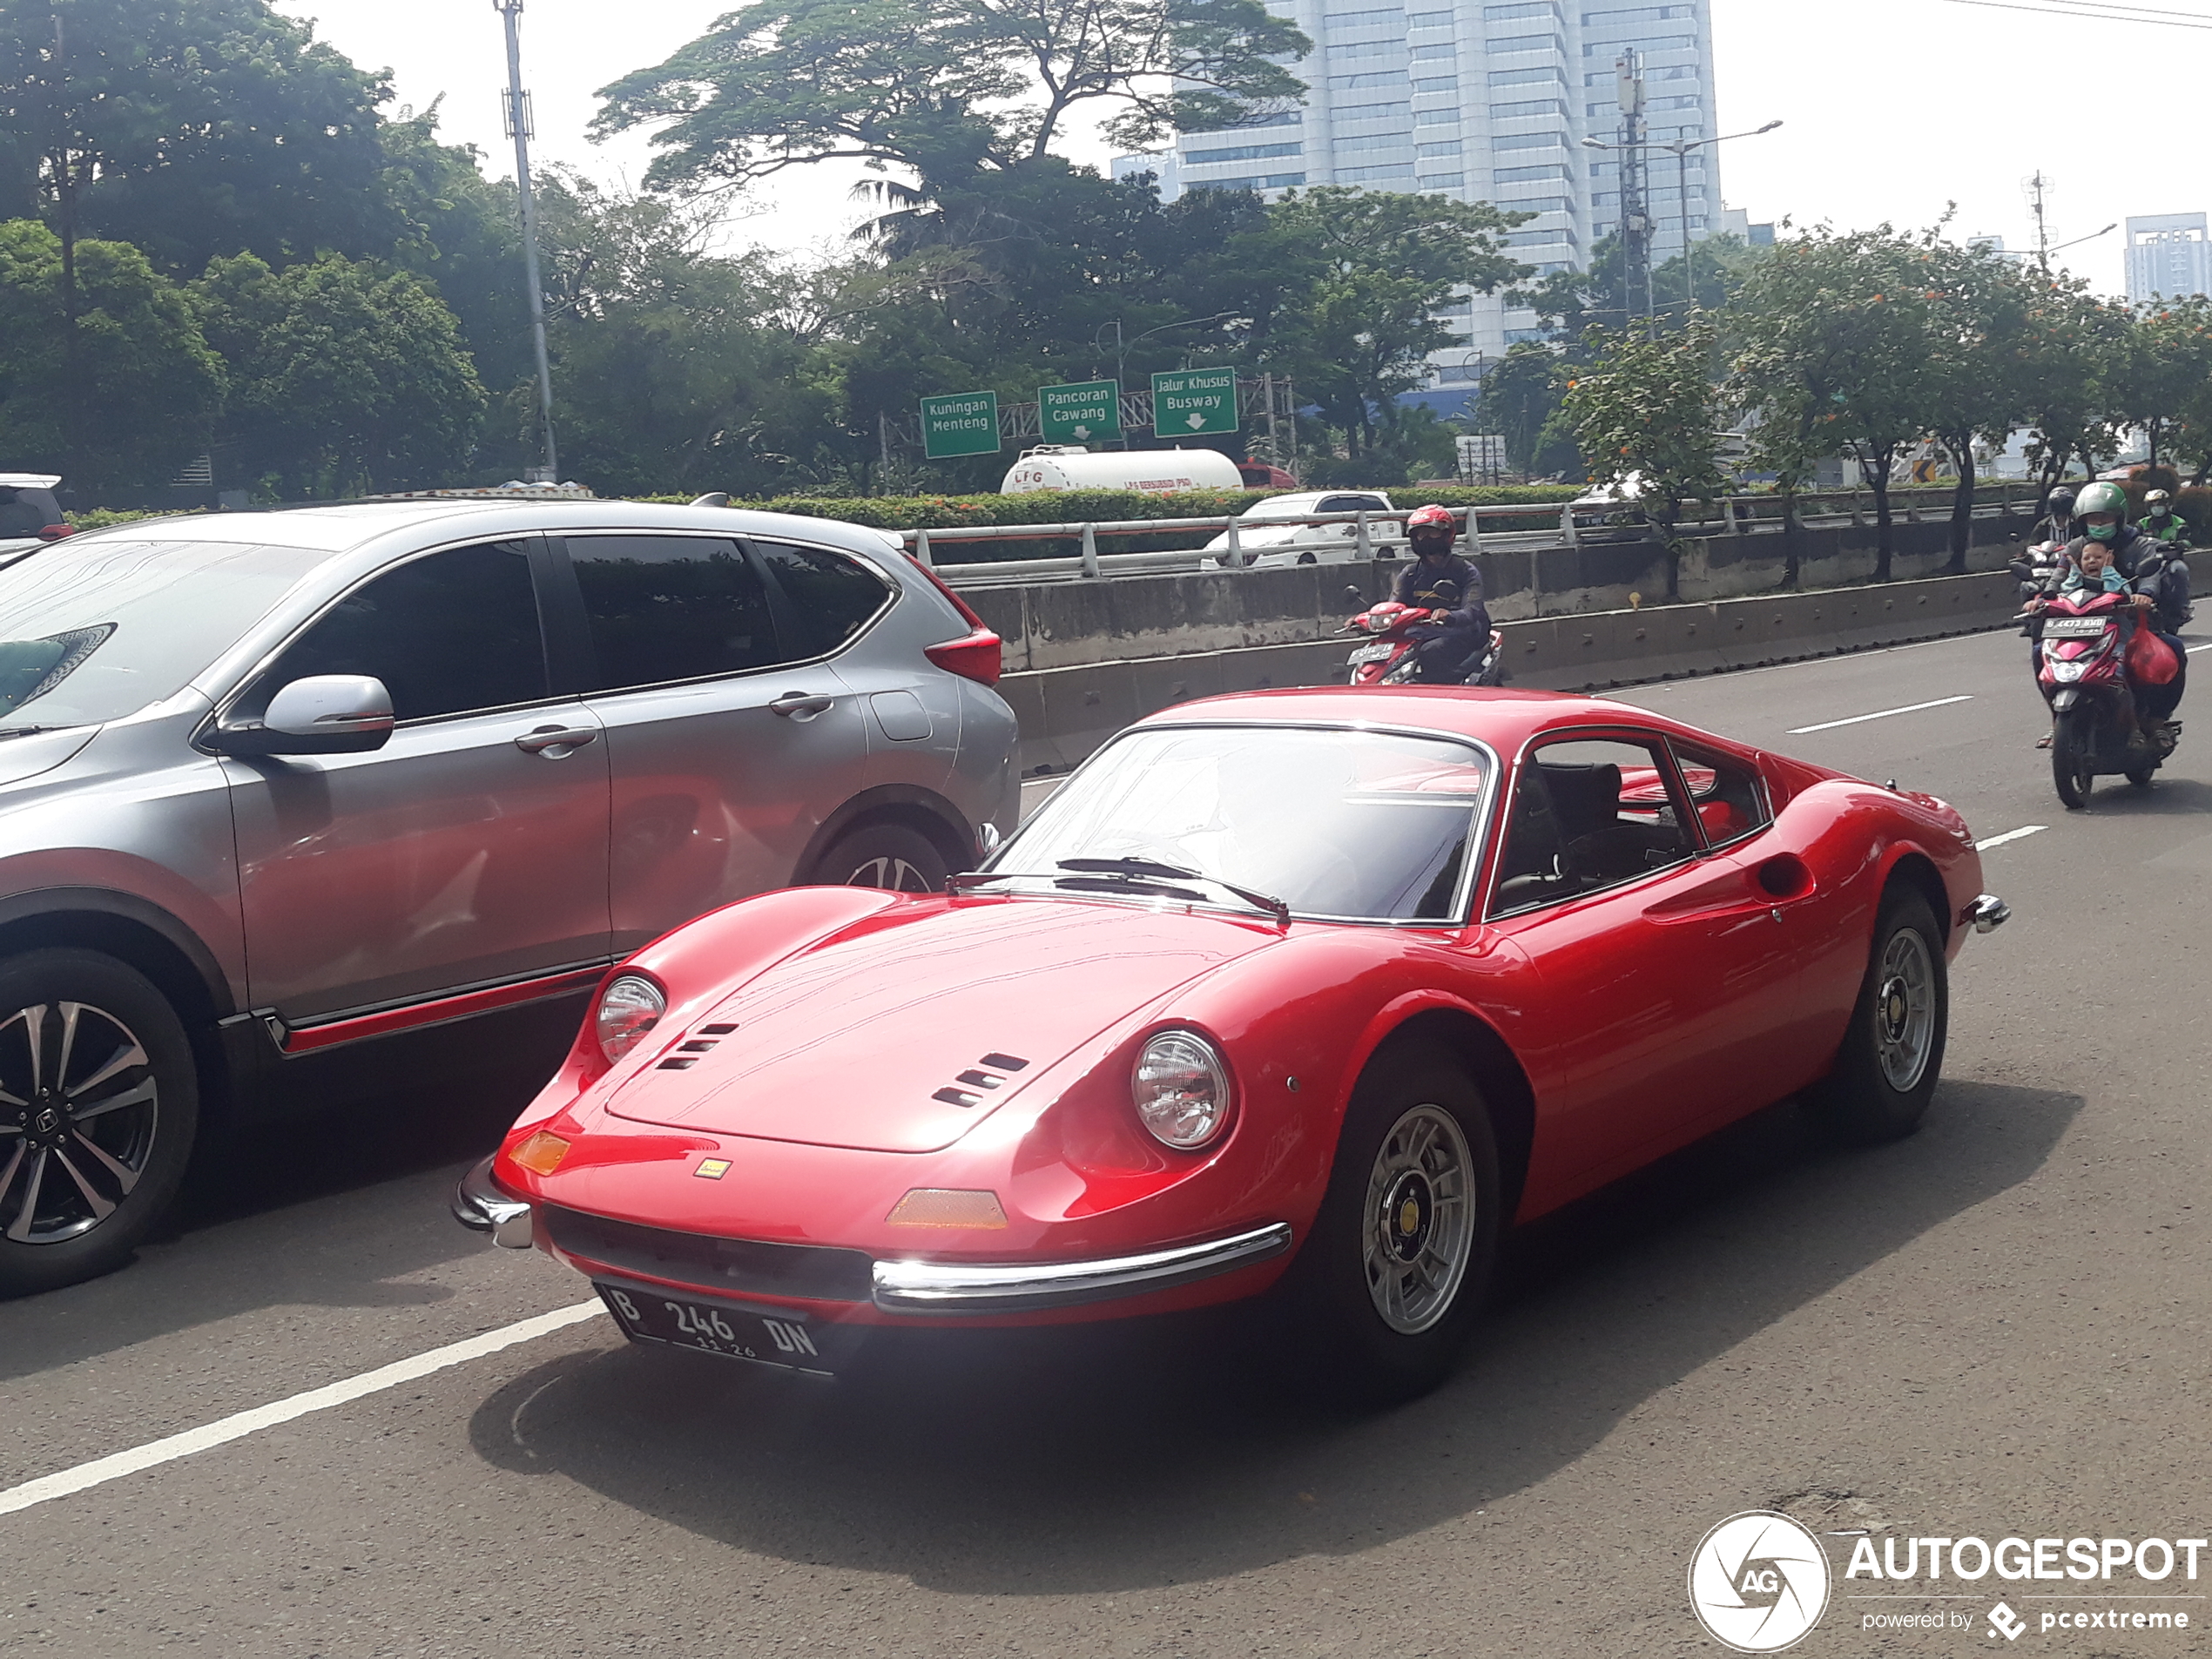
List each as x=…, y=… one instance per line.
x=1520, y=402
x=192, y=128
x=2164, y=368
x=344, y=378
x=1570, y=301
x=941, y=90
x=2075, y=345
x=1649, y=410
x=1975, y=365
x=1375, y=266
x=143, y=375
x=1831, y=332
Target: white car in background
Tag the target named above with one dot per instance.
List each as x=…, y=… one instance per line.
x=1268, y=543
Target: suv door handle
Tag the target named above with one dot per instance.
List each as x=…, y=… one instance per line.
x=799, y=703
x=563, y=738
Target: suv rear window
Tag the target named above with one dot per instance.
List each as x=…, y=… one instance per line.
x=832, y=597
x=25, y=512
x=665, y=608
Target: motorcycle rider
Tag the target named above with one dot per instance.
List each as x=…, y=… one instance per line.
x=1450, y=588
x=2057, y=523
x=2161, y=523
x=2159, y=579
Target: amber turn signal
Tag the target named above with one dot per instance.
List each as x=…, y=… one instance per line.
x=541, y=1154
x=947, y=1207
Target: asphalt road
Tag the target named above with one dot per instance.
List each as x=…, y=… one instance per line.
x=1997, y=1327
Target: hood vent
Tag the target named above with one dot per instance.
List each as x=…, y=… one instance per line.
x=978, y=1078
x=696, y=1047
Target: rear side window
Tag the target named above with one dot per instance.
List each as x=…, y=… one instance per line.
x=452, y=632
x=1729, y=798
x=832, y=596
x=1587, y=815
x=664, y=608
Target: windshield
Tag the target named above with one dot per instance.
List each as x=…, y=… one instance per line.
x=1282, y=507
x=93, y=629
x=1339, y=824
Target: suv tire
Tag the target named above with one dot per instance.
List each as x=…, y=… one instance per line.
x=99, y=1105
x=884, y=855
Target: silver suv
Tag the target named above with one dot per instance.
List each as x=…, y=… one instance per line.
x=296, y=805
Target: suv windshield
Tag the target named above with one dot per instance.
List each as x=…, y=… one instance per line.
x=92, y=628
x=1340, y=825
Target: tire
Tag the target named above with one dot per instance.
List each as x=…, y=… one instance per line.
x=1309, y=558
x=2141, y=776
x=1416, y=1171
x=1886, y=1072
x=91, y=1161
x=884, y=855
x=2071, y=736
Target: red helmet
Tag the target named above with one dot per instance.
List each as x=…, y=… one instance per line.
x=1431, y=517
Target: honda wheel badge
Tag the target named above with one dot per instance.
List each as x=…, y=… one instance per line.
x=1758, y=1582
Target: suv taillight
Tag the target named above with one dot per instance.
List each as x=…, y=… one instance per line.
x=55, y=532
x=977, y=657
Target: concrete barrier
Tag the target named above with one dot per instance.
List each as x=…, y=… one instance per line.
x=1068, y=711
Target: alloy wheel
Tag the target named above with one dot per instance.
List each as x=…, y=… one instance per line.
x=79, y=1112
x=890, y=872
x=1420, y=1216
x=1905, y=1010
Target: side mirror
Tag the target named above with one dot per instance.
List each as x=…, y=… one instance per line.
x=324, y=714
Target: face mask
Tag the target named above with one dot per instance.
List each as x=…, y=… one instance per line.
x=2103, y=532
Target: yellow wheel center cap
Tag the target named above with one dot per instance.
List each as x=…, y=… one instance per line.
x=1409, y=1217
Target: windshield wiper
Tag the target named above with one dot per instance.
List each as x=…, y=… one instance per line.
x=1141, y=867
x=28, y=731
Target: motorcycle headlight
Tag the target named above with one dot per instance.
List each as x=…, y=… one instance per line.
x=2066, y=673
x=629, y=1007
x=1181, y=1088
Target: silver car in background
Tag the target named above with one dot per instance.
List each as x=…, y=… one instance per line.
x=297, y=806
x=1268, y=543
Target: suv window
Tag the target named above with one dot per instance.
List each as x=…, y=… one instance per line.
x=1588, y=815
x=1729, y=798
x=452, y=632
x=24, y=511
x=1352, y=504
x=832, y=597
x=664, y=608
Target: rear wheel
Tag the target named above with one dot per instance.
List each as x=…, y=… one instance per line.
x=99, y=1105
x=2071, y=741
x=884, y=855
x=2140, y=776
x=1892, y=1052
x=1395, y=1272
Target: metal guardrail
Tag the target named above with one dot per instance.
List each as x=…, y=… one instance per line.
x=1380, y=534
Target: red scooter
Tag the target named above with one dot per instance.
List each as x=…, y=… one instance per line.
x=1389, y=658
x=2087, y=640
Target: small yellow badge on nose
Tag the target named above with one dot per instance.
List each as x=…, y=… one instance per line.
x=712, y=1168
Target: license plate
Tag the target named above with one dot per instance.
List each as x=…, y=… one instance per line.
x=2074, y=627
x=1378, y=653
x=767, y=1336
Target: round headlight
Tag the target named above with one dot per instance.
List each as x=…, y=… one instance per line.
x=2066, y=673
x=628, y=1009
x=1181, y=1086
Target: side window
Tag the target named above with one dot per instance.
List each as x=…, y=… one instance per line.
x=664, y=608
x=1587, y=815
x=452, y=632
x=1729, y=798
x=832, y=597
x=1349, y=504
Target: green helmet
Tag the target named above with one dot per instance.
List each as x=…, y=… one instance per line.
x=2101, y=498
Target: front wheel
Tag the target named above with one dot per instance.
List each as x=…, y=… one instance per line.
x=1892, y=1052
x=1393, y=1274
x=2073, y=739
x=99, y=1104
x=884, y=855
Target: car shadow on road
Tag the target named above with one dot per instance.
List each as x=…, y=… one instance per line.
x=1091, y=1458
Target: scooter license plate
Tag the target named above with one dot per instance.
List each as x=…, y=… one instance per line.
x=1373, y=654
x=2074, y=627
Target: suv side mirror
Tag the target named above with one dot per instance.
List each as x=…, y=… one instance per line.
x=324, y=714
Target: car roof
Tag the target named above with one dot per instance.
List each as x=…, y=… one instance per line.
x=1504, y=719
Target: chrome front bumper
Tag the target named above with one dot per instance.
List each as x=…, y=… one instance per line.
x=481, y=1206
x=958, y=1288
x=1988, y=913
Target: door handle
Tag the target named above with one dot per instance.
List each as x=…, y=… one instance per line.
x=799, y=704
x=566, y=738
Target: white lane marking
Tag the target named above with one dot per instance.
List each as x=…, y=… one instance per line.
x=2010, y=835
x=1879, y=714
x=2193, y=649
x=168, y=1450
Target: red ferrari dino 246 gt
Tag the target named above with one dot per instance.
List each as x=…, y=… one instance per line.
x=1301, y=991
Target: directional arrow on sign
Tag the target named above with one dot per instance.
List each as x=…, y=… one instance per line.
x=1198, y=421
x=1080, y=431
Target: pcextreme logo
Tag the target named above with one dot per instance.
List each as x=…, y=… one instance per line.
x=1758, y=1582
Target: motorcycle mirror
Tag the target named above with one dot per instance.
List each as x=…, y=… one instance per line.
x=1352, y=593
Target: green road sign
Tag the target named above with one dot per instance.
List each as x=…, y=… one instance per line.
x=1081, y=413
x=966, y=423
x=1193, y=402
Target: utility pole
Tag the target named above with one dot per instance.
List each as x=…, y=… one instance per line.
x=1635, y=215
x=519, y=128
x=2038, y=194
x=65, y=201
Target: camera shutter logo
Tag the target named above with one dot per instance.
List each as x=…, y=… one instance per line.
x=1758, y=1582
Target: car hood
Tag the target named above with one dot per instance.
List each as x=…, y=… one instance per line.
x=862, y=1041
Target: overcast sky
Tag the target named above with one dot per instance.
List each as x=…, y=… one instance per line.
x=1893, y=107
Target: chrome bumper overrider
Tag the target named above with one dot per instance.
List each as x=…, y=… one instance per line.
x=957, y=1287
x=1988, y=913
x=481, y=1206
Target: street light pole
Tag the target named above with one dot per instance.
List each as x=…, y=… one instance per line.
x=1680, y=148
x=518, y=126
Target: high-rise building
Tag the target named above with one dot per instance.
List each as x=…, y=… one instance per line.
x=2169, y=257
x=1489, y=100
